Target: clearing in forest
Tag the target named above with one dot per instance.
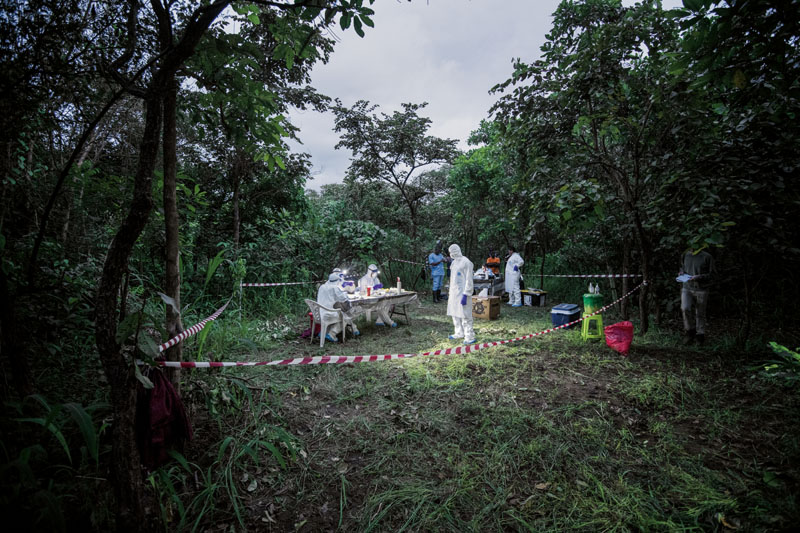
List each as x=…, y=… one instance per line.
x=549, y=434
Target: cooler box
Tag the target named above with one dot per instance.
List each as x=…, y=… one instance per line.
x=486, y=308
x=534, y=297
x=564, y=313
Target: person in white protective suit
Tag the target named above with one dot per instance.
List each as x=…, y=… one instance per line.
x=329, y=295
x=459, y=298
x=513, y=274
x=370, y=279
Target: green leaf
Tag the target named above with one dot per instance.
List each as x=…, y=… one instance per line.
x=344, y=21
x=275, y=453
x=201, y=338
x=144, y=380
x=252, y=17
x=771, y=479
x=224, y=446
x=694, y=5
x=289, y=58
x=181, y=460
x=55, y=431
x=127, y=327
x=212, y=267
x=86, y=426
x=147, y=345
x=357, y=26
x=719, y=108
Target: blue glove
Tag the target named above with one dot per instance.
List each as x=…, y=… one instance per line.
x=464, y=299
x=516, y=268
x=377, y=286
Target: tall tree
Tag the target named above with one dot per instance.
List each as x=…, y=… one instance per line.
x=391, y=148
x=742, y=63
x=599, y=100
x=169, y=55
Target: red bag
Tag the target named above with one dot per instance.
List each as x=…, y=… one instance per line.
x=307, y=332
x=619, y=336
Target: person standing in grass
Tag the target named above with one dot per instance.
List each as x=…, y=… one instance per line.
x=513, y=274
x=699, y=266
x=459, y=298
x=436, y=262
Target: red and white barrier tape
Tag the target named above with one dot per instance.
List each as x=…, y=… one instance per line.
x=194, y=329
x=278, y=284
x=588, y=275
x=334, y=359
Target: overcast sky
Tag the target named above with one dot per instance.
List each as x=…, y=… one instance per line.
x=448, y=53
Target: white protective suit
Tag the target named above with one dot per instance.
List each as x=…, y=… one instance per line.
x=512, y=279
x=460, y=286
x=370, y=279
x=328, y=295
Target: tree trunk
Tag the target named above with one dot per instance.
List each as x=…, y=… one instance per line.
x=744, y=331
x=626, y=269
x=237, y=186
x=644, y=245
x=541, y=269
x=172, y=283
x=118, y=367
x=78, y=165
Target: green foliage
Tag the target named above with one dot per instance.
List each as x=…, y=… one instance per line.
x=34, y=477
x=220, y=481
x=786, y=368
x=391, y=149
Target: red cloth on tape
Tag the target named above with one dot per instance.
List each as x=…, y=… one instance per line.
x=619, y=336
x=161, y=421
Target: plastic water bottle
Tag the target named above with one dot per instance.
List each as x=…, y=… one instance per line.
x=399, y=286
x=591, y=289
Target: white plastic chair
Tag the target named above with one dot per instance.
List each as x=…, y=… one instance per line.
x=315, y=308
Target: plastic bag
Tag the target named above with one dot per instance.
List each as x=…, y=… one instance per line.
x=619, y=336
x=484, y=293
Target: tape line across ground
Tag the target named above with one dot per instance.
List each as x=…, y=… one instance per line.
x=337, y=359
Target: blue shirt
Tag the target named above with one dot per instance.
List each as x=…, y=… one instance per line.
x=436, y=269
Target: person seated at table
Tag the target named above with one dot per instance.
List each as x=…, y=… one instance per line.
x=344, y=283
x=370, y=280
x=332, y=296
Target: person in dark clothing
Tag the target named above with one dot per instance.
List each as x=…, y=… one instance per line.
x=699, y=266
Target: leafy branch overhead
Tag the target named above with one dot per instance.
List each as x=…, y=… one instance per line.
x=391, y=148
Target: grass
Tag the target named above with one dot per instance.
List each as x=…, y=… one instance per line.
x=549, y=434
